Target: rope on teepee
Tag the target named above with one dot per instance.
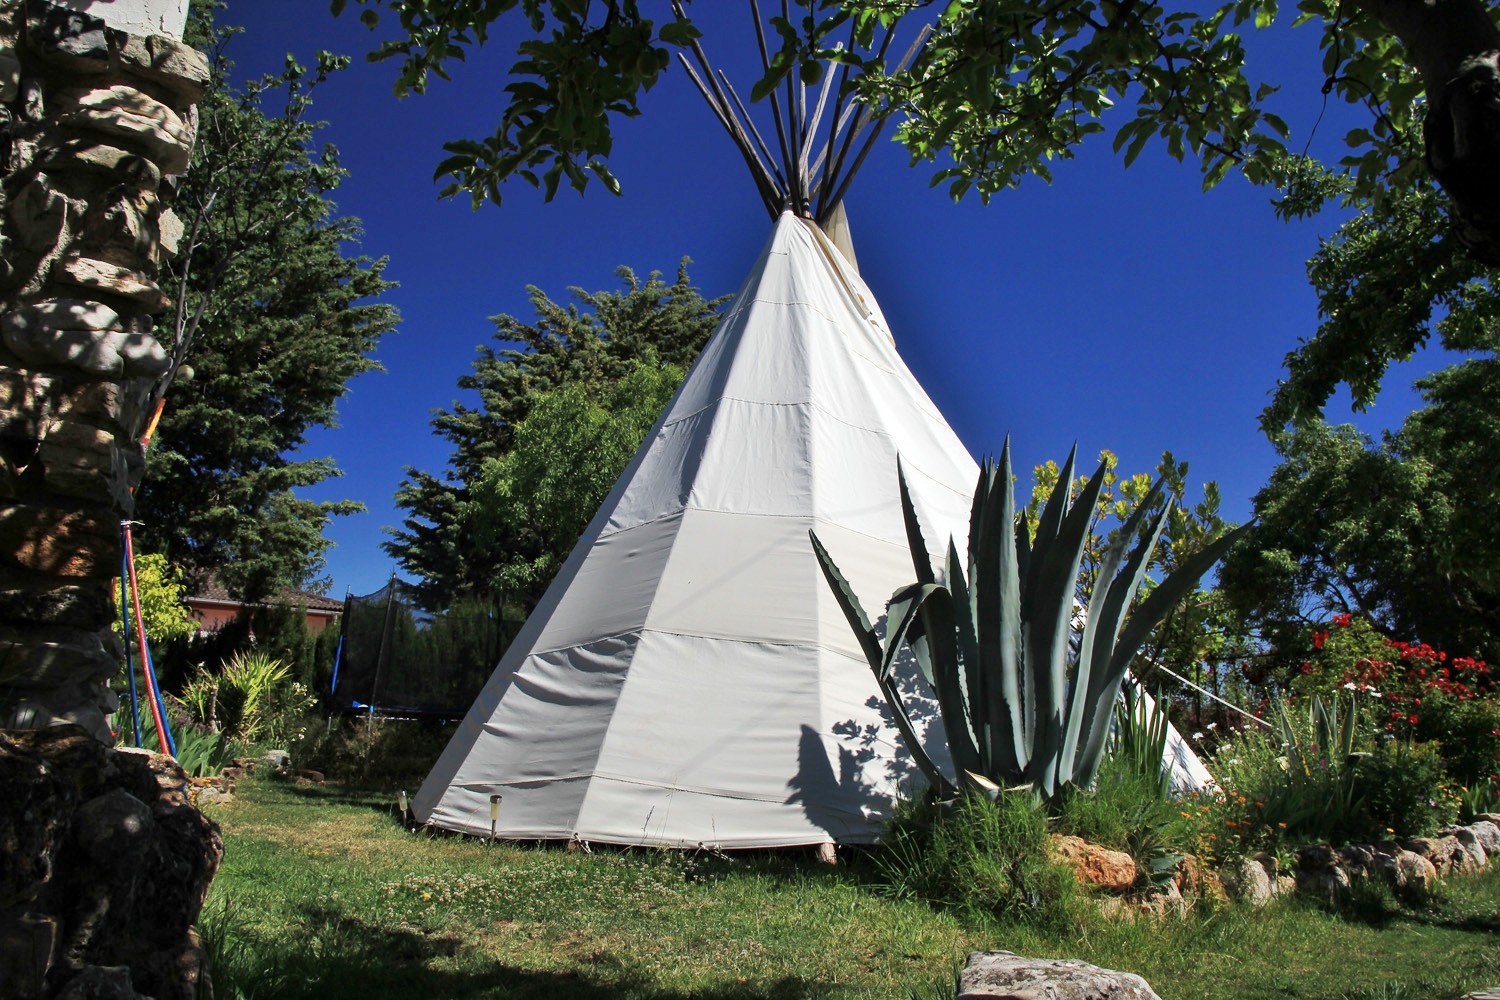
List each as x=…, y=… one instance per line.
x=1204, y=691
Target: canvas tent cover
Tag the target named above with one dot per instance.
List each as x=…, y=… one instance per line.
x=689, y=678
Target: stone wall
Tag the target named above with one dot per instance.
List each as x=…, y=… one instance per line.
x=94, y=123
x=104, y=867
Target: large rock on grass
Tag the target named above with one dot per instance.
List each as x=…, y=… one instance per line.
x=1003, y=974
x=1247, y=879
x=1473, y=839
x=1447, y=854
x=1488, y=834
x=1112, y=871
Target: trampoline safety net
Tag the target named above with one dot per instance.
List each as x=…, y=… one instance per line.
x=397, y=658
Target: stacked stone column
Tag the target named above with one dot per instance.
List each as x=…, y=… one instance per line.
x=94, y=123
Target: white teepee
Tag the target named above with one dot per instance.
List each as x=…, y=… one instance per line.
x=689, y=678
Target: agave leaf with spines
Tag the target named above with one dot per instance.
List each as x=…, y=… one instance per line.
x=1022, y=703
x=869, y=643
x=1101, y=630
x=1109, y=603
x=1057, y=556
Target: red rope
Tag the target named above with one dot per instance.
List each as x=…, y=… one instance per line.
x=152, y=695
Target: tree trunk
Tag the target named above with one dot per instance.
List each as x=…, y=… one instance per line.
x=1455, y=46
x=92, y=119
x=104, y=864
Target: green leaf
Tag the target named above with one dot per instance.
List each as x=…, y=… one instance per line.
x=849, y=603
x=915, y=543
x=679, y=33
x=781, y=65
x=608, y=179
x=1216, y=172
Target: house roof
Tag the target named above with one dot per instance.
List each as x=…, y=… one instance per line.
x=213, y=593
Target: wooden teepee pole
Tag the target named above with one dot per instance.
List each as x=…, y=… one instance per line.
x=811, y=175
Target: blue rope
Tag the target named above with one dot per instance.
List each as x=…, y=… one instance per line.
x=166, y=723
x=135, y=705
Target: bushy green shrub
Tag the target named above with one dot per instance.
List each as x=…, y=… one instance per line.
x=378, y=751
x=276, y=631
x=986, y=859
x=1318, y=782
x=1479, y=798
x=160, y=587
x=200, y=751
x=1296, y=783
x=1468, y=732
x=1405, y=791
x=1345, y=650
x=288, y=715
x=1123, y=811
x=238, y=697
x=1426, y=695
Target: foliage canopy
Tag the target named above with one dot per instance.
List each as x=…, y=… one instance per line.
x=1000, y=88
x=1400, y=531
x=472, y=532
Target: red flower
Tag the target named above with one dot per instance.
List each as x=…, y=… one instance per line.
x=1413, y=719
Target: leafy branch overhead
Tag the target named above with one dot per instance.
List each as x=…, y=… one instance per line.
x=583, y=64
x=1390, y=281
x=1000, y=88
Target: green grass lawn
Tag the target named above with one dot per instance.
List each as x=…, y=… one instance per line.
x=323, y=896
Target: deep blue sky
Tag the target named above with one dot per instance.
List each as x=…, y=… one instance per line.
x=1119, y=308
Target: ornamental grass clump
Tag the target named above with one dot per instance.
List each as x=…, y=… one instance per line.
x=1130, y=807
x=985, y=859
x=1026, y=674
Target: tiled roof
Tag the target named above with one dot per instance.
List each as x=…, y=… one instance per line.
x=287, y=597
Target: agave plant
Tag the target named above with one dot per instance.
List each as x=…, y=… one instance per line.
x=1026, y=680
